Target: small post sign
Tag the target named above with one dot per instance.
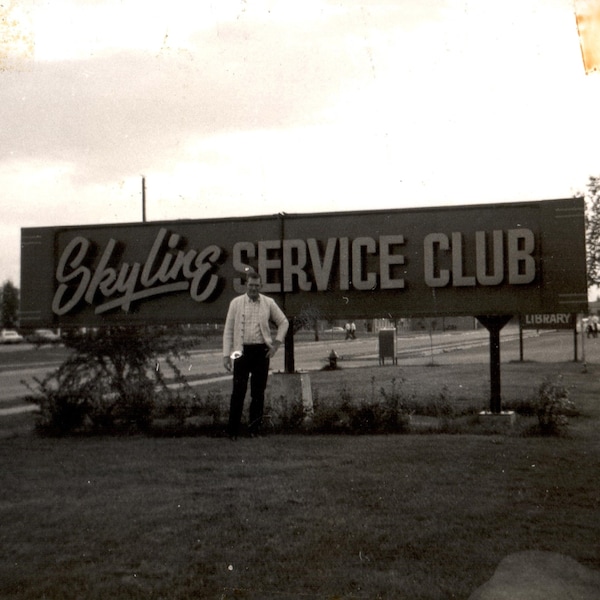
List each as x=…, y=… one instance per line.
x=561, y=321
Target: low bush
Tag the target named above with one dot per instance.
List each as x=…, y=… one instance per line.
x=186, y=413
x=388, y=413
x=60, y=412
x=525, y=408
x=552, y=407
x=286, y=415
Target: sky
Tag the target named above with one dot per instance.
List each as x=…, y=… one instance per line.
x=254, y=107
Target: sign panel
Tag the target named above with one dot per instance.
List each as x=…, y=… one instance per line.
x=549, y=321
x=500, y=259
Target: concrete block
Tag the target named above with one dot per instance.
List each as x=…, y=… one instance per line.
x=501, y=422
x=293, y=387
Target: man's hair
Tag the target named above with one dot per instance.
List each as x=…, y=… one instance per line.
x=252, y=274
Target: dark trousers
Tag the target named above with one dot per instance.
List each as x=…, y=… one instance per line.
x=253, y=365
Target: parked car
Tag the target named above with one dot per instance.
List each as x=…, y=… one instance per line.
x=9, y=336
x=43, y=336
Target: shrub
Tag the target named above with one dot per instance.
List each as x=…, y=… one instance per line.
x=394, y=410
x=443, y=409
x=60, y=413
x=552, y=405
x=176, y=406
x=134, y=406
x=68, y=399
x=285, y=415
x=387, y=414
x=185, y=413
x=525, y=408
x=328, y=417
x=108, y=383
x=213, y=406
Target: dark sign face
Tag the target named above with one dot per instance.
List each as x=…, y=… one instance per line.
x=473, y=260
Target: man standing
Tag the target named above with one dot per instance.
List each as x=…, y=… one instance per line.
x=247, y=349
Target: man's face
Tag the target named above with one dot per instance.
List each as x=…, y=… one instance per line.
x=253, y=287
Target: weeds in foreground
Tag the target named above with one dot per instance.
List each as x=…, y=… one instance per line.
x=387, y=413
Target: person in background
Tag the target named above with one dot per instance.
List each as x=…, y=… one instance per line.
x=594, y=321
x=248, y=347
x=353, y=330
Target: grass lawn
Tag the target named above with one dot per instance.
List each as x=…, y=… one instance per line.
x=303, y=516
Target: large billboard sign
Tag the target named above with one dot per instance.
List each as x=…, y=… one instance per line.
x=499, y=259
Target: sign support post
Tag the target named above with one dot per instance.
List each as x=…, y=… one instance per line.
x=289, y=357
x=521, y=354
x=583, y=345
x=494, y=324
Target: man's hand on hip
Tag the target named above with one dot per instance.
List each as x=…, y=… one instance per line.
x=273, y=349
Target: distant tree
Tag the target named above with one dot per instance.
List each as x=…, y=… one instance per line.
x=9, y=306
x=592, y=226
x=308, y=319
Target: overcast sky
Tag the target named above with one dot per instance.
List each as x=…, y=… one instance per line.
x=253, y=107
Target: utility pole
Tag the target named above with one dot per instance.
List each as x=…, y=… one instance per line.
x=143, y=199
